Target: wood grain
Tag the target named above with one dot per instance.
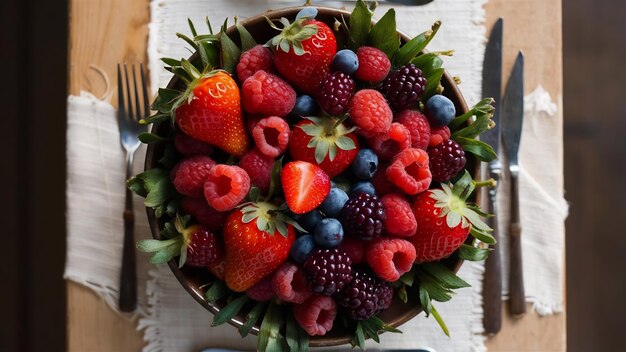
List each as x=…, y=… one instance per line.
x=103, y=33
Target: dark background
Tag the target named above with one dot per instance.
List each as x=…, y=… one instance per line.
x=33, y=35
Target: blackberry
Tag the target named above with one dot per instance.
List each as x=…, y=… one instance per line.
x=328, y=270
x=335, y=92
x=363, y=216
x=446, y=160
x=403, y=87
x=365, y=295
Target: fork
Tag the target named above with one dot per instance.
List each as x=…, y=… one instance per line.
x=128, y=116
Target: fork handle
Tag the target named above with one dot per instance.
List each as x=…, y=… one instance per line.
x=128, y=278
x=516, y=278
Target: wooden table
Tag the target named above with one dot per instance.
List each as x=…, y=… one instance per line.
x=105, y=32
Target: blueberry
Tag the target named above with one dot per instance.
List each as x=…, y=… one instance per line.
x=301, y=248
x=365, y=164
x=328, y=233
x=305, y=106
x=309, y=220
x=332, y=205
x=345, y=61
x=307, y=12
x=439, y=110
x=363, y=186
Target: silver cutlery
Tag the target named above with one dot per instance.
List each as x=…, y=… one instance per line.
x=129, y=112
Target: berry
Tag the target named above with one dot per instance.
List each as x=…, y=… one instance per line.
x=265, y=93
x=252, y=120
x=327, y=270
x=305, y=186
x=364, y=296
x=418, y=126
x=226, y=186
x=328, y=233
x=381, y=182
x=256, y=59
x=400, y=219
x=409, y=171
x=259, y=168
x=363, y=187
x=203, y=247
x=189, y=174
x=190, y=146
x=345, y=61
x=307, y=12
x=217, y=268
x=262, y=291
x=334, y=202
x=271, y=136
x=305, y=106
x=370, y=113
x=438, y=135
x=384, y=291
x=374, y=64
x=446, y=160
x=364, y=216
x=387, y=145
x=316, y=315
x=309, y=220
x=200, y=210
x=390, y=257
x=335, y=92
x=403, y=87
x=365, y=164
x=439, y=110
x=290, y=284
x=302, y=247
x=354, y=248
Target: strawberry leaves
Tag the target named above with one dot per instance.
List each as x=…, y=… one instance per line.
x=155, y=186
x=415, y=46
x=370, y=328
x=328, y=135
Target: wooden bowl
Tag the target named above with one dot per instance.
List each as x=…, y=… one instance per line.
x=191, y=279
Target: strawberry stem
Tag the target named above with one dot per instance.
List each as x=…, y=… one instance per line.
x=486, y=183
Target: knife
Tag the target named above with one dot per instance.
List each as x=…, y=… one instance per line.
x=512, y=119
x=492, y=87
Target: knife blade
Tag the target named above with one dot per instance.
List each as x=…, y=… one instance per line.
x=492, y=87
x=512, y=121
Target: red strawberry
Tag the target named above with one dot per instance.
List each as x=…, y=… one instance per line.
x=257, y=240
x=305, y=186
x=210, y=111
x=324, y=142
x=303, y=53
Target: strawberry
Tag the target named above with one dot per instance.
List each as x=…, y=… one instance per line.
x=444, y=220
x=305, y=186
x=325, y=142
x=303, y=52
x=210, y=110
x=257, y=240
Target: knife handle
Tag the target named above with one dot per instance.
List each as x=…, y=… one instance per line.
x=492, y=282
x=517, y=298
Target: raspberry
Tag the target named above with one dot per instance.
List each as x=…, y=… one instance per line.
x=370, y=113
x=446, y=160
x=265, y=93
x=259, y=168
x=271, y=136
x=438, y=135
x=290, y=285
x=355, y=249
x=252, y=120
x=328, y=269
x=365, y=295
x=200, y=210
x=404, y=86
x=189, y=174
x=256, y=59
x=203, y=247
x=187, y=145
x=417, y=125
x=382, y=184
x=261, y=291
x=387, y=145
x=363, y=216
x=316, y=315
x=390, y=257
x=400, y=219
x=374, y=64
x=409, y=171
x=335, y=92
x=226, y=186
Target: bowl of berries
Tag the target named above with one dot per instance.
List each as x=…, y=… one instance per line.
x=310, y=176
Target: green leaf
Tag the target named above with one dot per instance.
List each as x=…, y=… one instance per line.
x=473, y=254
x=425, y=300
x=483, y=111
x=345, y=143
x=481, y=150
x=157, y=117
x=164, y=251
x=159, y=194
x=147, y=138
x=209, y=53
x=436, y=291
x=440, y=321
x=191, y=27
x=169, y=158
x=413, y=47
x=297, y=338
x=217, y=291
x=384, y=36
x=170, y=61
x=407, y=278
x=482, y=235
x=229, y=310
x=360, y=25
x=136, y=186
x=433, y=83
x=444, y=275
x=269, y=334
x=359, y=337
x=247, y=41
x=230, y=52
x=402, y=294
x=153, y=245
x=251, y=318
